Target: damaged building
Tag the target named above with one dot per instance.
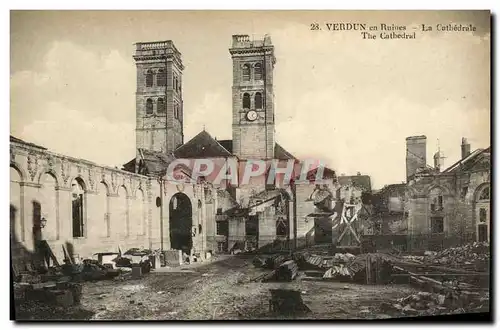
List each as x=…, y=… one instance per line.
x=450, y=205
x=91, y=208
x=438, y=206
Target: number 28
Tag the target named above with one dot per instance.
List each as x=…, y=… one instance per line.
x=314, y=26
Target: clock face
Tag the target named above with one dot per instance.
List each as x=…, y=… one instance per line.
x=251, y=115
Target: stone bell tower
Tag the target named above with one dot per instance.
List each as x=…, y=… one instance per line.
x=253, y=97
x=159, y=105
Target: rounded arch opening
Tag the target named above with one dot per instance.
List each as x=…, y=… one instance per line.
x=181, y=223
x=160, y=106
x=258, y=100
x=78, y=206
x=483, y=193
x=149, y=106
x=161, y=78
x=149, y=78
x=246, y=72
x=246, y=101
x=482, y=212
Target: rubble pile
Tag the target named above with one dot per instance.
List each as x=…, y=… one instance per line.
x=60, y=284
x=340, y=266
x=427, y=303
x=312, y=261
x=274, y=262
x=135, y=258
x=412, y=258
x=461, y=255
x=340, y=272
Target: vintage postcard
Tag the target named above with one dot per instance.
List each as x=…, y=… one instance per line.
x=249, y=165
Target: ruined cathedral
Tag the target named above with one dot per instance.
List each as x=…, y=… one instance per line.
x=67, y=201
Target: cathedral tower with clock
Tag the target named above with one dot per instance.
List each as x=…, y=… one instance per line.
x=253, y=97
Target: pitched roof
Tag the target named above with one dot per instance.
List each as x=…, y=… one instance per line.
x=202, y=145
x=468, y=162
x=279, y=151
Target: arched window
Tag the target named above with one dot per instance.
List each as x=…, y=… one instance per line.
x=246, y=101
x=484, y=194
x=149, y=78
x=257, y=71
x=160, y=106
x=161, y=78
x=436, y=199
x=78, y=207
x=246, y=72
x=258, y=101
x=176, y=111
x=149, y=106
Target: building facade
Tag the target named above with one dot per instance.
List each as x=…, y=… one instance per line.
x=452, y=205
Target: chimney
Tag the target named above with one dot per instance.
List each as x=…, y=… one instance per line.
x=465, y=148
x=416, y=155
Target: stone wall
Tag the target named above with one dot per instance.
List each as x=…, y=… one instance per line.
x=121, y=209
x=459, y=193
x=117, y=205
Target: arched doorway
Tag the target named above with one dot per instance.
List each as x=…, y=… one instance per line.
x=181, y=222
x=483, y=214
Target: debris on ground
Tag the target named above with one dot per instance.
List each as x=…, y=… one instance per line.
x=467, y=254
x=427, y=303
x=340, y=272
x=306, y=260
x=136, y=258
x=258, y=262
x=273, y=262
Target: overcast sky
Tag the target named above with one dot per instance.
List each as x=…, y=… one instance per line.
x=348, y=101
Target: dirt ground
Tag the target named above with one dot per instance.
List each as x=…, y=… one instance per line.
x=221, y=289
